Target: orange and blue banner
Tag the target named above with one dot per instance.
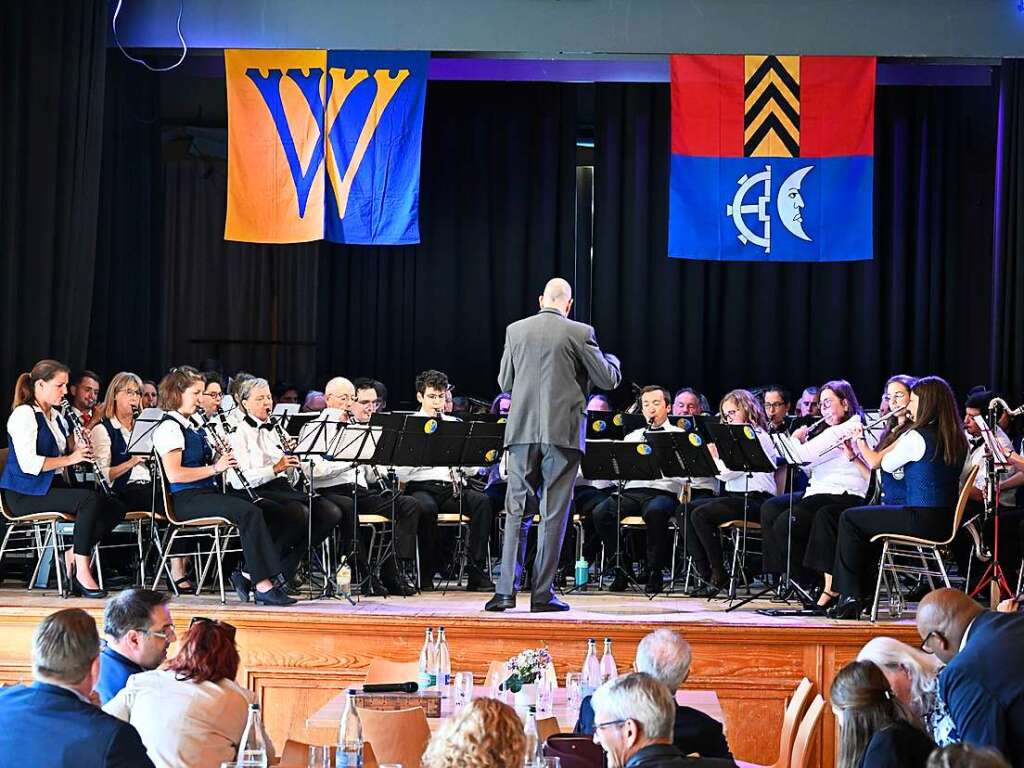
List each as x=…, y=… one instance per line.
x=772, y=158
x=324, y=145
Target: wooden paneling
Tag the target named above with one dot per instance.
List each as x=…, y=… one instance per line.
x=297, y=660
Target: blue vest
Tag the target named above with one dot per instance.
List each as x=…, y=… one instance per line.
x=894, y=488
x=15, y=478
x=196, y=453
x=930, y=481
x=118, y=454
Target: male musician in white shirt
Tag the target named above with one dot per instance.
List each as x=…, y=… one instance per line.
x=435, y=490
x=686, y=402
x=84, y=393
x=655, y=500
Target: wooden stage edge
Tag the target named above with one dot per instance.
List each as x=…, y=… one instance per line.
x=297, y=658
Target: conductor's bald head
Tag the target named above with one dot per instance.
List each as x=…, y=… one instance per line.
x=942, y=619
x=557, y=295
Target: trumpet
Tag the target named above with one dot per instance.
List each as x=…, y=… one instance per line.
x=287, y=445
x=219, y=444
x=82, y=438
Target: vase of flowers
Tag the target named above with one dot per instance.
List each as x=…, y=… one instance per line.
x=523, y=673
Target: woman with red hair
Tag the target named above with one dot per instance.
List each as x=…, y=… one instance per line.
x=190, y=712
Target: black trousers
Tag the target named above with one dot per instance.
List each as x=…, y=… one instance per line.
x=96, y=515
x=294, y=524
x=775, y=523
x=258, y=527
x=407, y=514
x=703, y=542
x=856, y=562
x=656, y=507
x=435, y=498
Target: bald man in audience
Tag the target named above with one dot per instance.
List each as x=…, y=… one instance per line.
x=982, y=683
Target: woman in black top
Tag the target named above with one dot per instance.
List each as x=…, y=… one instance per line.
x=875, y=729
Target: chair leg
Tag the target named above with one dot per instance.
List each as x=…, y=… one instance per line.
x=99, y=565
x=220, y=563
x=942, y=566
x=878, y=583
x=163, y=562
x=209, y=558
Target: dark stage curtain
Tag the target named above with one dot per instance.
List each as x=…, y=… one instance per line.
x=921, y=306
x=497, y=211
x=1008, y=251
x=51, y=141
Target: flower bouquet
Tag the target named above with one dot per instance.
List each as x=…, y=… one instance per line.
x=527, y=668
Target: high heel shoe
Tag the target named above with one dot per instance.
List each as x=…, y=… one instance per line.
x=847, y=608
x=79, y=589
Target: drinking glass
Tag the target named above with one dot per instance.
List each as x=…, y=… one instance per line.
x=545, y=695
x=549, y=762
x=318, y=757
x=463, y=689
x=573, y=681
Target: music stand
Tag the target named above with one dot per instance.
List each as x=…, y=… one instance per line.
x=621, y=462
x=140, y=443
x=994, y=573
x=314, y=441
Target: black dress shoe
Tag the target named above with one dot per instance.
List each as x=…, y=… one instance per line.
x=619, y=582
x=655, y=583
x=243, y=588
x=478, y=581
x=847, y=608
x=78, y=588
x=273, y=596
x=551, y=606
x=500, y=603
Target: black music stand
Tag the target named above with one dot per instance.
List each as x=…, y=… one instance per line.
x=621, y=462
x=687, y=456
x=314, y=441
x=603, y=425
x=140, y=443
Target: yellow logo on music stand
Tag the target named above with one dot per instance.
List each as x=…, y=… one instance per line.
x=643, y=449
x=695, y=440
x=430, y=427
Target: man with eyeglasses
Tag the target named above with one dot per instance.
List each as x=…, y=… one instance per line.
x=982, y=683
x=139, y=630
x=634, y=717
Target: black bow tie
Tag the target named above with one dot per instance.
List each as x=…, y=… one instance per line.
x=657, y=429
x=267, y=425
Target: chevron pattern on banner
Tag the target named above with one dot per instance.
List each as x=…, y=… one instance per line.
x=771, y=106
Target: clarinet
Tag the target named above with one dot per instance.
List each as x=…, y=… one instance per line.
x=82, y=438
x=305, y=482
x=219, y=444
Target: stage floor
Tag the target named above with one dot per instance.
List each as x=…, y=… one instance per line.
x=298, y=658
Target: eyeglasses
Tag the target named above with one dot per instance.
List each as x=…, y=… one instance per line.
x=609, y=724
x=168, y=630
x=924, y=643
x=229, y=628
x=215, y=395
x=773, y=406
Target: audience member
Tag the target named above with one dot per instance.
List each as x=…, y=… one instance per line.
x=55, y=723
x=966, y=756
x=875, y=729
x=913, y=676
x=665, y=656
x=191, y=712
x=635, y=715
x=139, y=630
x=983, y=681
x=486, y=733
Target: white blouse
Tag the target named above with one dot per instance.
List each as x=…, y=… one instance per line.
x=23, y=430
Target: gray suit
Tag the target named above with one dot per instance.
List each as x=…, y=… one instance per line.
x=549, y=366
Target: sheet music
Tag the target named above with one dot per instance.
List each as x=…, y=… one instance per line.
x=285, y=409
x=991, y=443
x=140, y=442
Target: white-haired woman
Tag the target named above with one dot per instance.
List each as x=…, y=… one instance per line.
x=913, y=676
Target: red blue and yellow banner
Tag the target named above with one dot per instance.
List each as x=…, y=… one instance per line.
x=324, y=145
x=772, y=158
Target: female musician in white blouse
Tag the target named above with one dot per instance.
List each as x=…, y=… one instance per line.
x=705, y=515
x=41, y=447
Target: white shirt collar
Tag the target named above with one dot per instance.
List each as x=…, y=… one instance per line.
x=963, y=640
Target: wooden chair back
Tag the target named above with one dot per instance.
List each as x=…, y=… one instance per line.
x=388, y=671
x=399, y=736
x=296, y=753
x=961, y=504
x=791, y=721
x=802, y=753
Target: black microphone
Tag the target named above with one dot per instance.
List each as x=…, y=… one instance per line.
x=390, y=688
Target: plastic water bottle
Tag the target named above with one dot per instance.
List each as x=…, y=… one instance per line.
x=350, y=735
x=609, y=669
x=444, y=664
x=591, y=677
x=343, y=578
x=582, y=575
x=252, y=749
x=426, y=667
x=534, y=754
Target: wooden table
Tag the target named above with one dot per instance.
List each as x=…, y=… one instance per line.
x=329, y=715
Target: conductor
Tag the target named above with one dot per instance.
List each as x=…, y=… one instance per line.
x=549, y=365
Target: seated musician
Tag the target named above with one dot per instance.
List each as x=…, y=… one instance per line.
x=741, y=491
x=84, y=393
x=776, y=408
x=437, y=489
x=809, y=403
x=839, y=479
x=270, y=471
x=687, y=402
x=821, y=549
x=192, y=472
x=654, y=500
x=930, y=455
x=41, y=447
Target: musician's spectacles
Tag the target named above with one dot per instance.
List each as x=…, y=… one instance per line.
x=773, y=406
x=215, y=395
